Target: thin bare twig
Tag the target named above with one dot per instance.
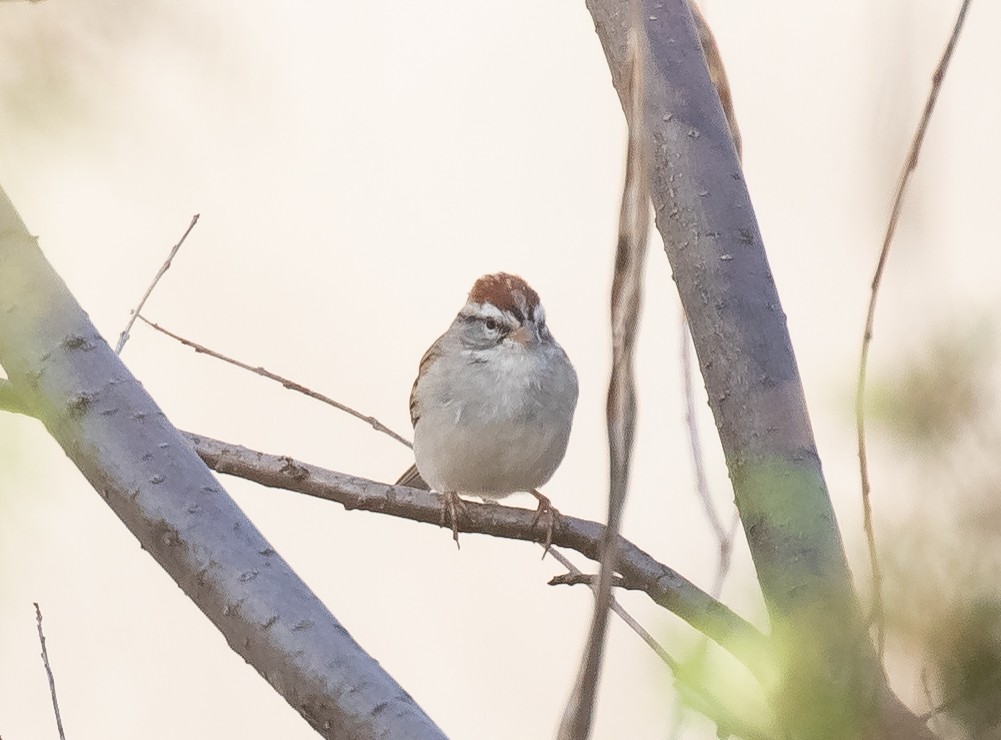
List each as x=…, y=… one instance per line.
x=694, y=439
x=621, y=407
x=124, y=336
x=286, y=382
x=909, y=166
x=48, y=672
x=724, y=537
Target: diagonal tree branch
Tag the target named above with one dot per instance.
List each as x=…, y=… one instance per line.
x=833, y=682
x=638, y=569
x=67, y=375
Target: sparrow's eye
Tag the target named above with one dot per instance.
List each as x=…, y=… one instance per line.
x=491, y=324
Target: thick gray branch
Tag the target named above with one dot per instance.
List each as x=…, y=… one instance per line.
x=712, y=240
x=703, y=211
x=67, y=375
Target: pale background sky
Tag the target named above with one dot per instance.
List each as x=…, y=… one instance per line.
x=356, y=167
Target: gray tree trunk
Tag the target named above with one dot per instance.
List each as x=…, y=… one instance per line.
x=833, y=684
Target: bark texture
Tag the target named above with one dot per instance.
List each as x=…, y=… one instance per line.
x=833, y=684
x=68, y=377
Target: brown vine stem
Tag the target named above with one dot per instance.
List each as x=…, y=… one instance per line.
x=910, y=164
x=620, y=411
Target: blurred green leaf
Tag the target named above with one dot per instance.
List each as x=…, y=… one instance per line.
x=934, y=396
x=967, y=652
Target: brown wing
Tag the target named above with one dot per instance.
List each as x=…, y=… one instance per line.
x=426, y=361
x=413, y=479
x=412, y=476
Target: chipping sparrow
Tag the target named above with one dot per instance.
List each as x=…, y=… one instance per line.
x=493, y=400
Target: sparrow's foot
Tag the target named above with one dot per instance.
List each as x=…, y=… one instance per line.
x=453, y=504
x=551, y=514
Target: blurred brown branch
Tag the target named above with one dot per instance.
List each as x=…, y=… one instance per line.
x=910, y=164
x=717, y=75
x=620, y=409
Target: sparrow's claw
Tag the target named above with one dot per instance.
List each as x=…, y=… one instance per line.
x=453, y=504
x=552, y=515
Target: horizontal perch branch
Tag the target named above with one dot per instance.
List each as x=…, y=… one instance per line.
x=638, y=569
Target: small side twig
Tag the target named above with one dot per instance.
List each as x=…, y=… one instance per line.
x=48, y=672
x=124, y=336
x=286, y=382
x=577, y=578
x=910, y=165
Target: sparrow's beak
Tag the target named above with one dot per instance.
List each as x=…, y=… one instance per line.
x=526, y=335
